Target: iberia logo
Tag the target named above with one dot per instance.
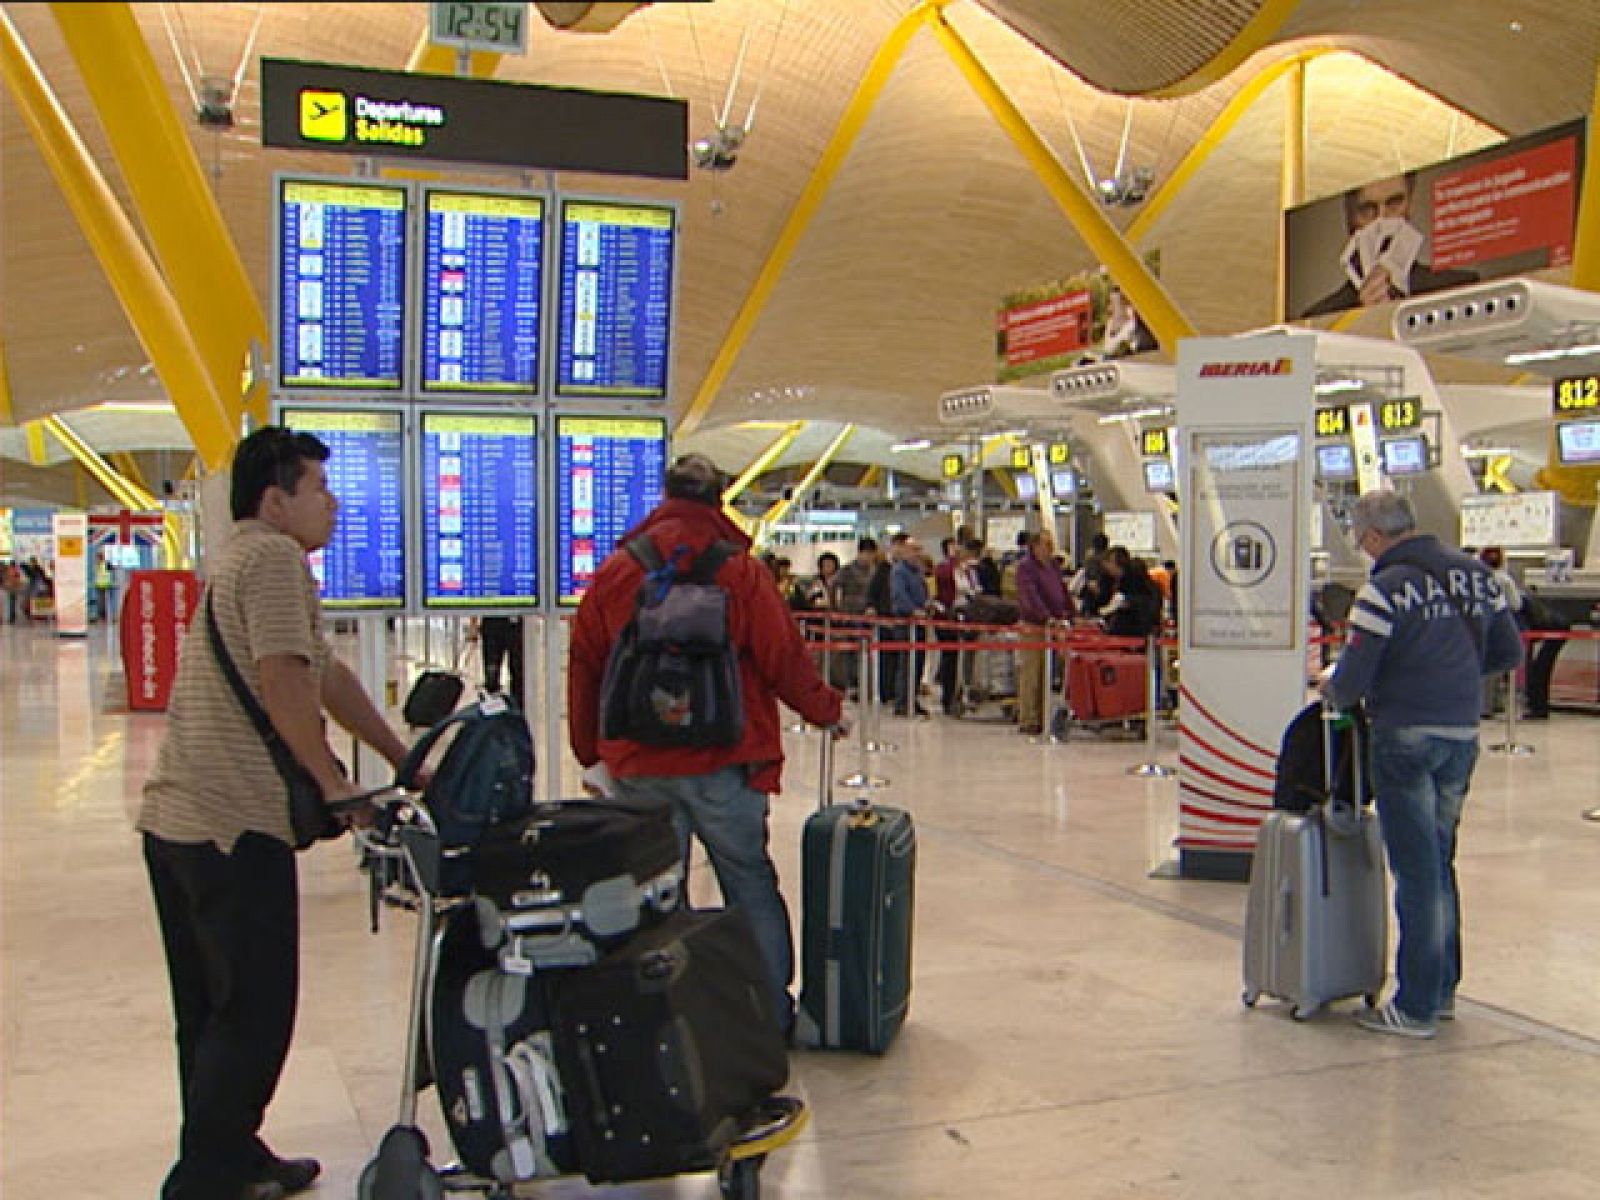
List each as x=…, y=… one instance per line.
x=1280, y=366
x=324, y=116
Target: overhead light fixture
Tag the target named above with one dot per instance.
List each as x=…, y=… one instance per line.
x=134, y=406
x=911, y=444
x=1552, y=353
x=1331, y=387
x=1013, y=433
x=1487, y=452
x=1135, y=414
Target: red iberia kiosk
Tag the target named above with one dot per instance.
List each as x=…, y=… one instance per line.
x=155, y=617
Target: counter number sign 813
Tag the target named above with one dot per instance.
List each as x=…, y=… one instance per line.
x=502, y=27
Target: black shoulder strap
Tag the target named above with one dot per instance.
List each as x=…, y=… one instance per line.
x=418, y=754
x=710, y=561
x=644, y=549
x=1474, y=633
x=247, y=700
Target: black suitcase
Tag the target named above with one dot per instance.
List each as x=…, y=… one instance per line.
x=665, y=1045
x=575, y=878
x=858, y=874
x=493, y=1057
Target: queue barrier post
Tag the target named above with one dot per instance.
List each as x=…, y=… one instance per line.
x=869, y=692
x=1150, y=768
x=1050, y=705
x=1511, y=747
x=863, y=776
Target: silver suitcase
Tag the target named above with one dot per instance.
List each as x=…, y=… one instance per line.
x=1316, y=925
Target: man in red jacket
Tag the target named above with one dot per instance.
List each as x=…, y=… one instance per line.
x=720, y=794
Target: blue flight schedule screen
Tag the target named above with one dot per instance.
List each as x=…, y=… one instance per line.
x=483, y=275
x=616, y=299
x=610, y=472
x=364, y=564
x=480, y=515
x=341, y=285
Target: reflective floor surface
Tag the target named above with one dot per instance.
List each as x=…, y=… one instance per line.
x=1075, y=1030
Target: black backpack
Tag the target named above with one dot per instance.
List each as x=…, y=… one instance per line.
x=1300, y=784
x=486, y=775
x=673, y=675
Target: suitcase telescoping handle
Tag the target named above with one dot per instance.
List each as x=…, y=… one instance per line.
x=825, y=776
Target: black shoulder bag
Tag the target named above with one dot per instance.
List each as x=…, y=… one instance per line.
x=309, y=818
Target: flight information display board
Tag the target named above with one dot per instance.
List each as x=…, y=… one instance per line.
x=610, y=472
x=364, y=563
x=615, y=311
x=482, y=290
x=341, y=284
x=480, y=515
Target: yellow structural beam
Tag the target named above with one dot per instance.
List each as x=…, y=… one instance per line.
x=128, y=467
x=1256, y=35
x=805, y=208
x=170, y=192
x=871, y=477
x=38, y=451
x=8, y=415
x=150, y=307
x=776, y=513
x=1232, y=113
x=1142, y=288
x=763, y=461
x=1586, y=250
x=124, y=491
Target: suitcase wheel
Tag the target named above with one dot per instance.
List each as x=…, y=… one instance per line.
x=740, y=1178
x=1250, y=997
x=1301, y=1013
x=400, y=1170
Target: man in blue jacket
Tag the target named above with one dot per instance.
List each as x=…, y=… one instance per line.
x=1425, y=629
x=908, y=597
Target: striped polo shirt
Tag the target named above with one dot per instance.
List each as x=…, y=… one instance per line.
x=213, y=779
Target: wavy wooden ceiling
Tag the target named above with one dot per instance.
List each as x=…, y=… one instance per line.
x=890, y=296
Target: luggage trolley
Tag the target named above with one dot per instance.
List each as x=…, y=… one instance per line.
x=986, y=680
x=403, y=860
x=1106, y=685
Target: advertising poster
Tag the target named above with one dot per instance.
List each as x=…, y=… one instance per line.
x=72, y=574
x=1507, y=210
x=1244, y=488
x=1065, y=322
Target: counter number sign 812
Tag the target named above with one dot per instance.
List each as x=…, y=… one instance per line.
x=501, y=27
x=1579, y=394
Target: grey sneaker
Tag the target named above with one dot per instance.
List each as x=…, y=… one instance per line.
x=1386, y=1018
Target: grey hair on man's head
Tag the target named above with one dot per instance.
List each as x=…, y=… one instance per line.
x=1388, y=513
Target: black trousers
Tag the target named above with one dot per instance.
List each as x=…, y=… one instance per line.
x=502, y=637
x=949, y=665
x=1541, y=665
x=231, y=927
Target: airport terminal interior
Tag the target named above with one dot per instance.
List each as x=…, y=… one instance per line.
x=935, y=267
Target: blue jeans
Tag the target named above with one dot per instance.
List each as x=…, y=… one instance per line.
x=1421, y=784
x=730, y=819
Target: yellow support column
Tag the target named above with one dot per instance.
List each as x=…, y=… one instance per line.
x=1586, y=251
x=7, y=414
x=151, y=310
x=1142, y=288
x=1292, y=183
x=762, y=461
x=805, y=208
x=171, y=194
x=38, y=452
x=776, y=513
x=128, y=467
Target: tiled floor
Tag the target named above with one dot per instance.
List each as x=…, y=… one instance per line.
x=1076, y=1028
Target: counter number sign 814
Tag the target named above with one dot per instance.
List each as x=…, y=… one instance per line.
x=499, y=27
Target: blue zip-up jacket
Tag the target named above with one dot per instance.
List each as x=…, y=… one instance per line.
x=908, y=590
x=1409, y=653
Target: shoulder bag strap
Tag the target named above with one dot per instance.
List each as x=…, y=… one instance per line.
x=241, y=690
x=644, y=549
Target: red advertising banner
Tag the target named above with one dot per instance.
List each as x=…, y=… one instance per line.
x=1524, y=202
x=1510, y=209
x=156, y=614
x=1047, y=328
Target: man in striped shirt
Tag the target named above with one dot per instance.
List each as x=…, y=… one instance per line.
x=1425, y=629
x=215, y=818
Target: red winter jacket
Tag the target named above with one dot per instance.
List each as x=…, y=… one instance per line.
x=774, y=663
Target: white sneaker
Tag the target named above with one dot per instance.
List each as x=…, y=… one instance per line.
x=1386, y=1018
